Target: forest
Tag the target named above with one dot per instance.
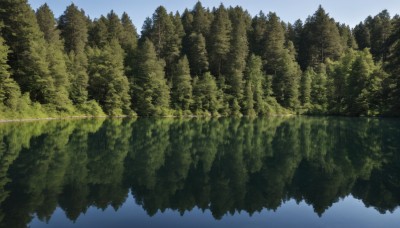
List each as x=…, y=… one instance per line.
x=221, y=165
x=199, y=62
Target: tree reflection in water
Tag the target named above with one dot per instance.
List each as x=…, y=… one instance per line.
x=222, y=165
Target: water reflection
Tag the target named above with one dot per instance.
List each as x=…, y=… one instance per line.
x=220, y=165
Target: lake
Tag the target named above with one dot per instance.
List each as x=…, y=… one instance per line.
x=290, y=172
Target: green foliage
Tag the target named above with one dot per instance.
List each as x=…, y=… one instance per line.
x=108, y=84
x=321, y=40
x=205, y=95
x=74, y=31
x=305, y=87
x=55, y=57
x=151, y=92
x=9, y=89
x=197, y=55
x=203, y=62
x=318, y=93
x=181, y=91
x=219, y=47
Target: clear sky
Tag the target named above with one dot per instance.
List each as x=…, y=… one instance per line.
x=350, y=12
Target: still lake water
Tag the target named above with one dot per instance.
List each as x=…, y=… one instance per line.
x=277, y=172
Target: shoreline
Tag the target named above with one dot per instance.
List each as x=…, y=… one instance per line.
x=88, y=117
x=48, y=118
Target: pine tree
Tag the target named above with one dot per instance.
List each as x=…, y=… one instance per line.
x=305, y=87
x=237, y=55
x=280, y=63
x=55, y=57
x=257, y=35
x=321, y=40
x=74, y=31
x=108, y=84
x=392, y=67
x=98, y=33
x=219, y=41
x=129, y=42
x=380, y=28
x=129, y=38
x=201, y=21
x=181, y=91
x=197, y=55
x=77, y=67
x=9, y=89
x=319, y=90
x=255, y=77
x=364, y=85
x=362, y=36
x=114, y=27
x=205, y=94
x=28, y=56
x=150, y=90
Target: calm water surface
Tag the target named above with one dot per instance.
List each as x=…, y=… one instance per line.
x=286, y=172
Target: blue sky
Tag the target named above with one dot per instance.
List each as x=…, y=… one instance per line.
x=350, y=12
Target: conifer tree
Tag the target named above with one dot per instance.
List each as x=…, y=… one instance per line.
x=108, y=84
x=74, y=31
x=197, y=55
x=77, y=67
x=9, y=89
x=205, y=94
x=181, y=91
x=55, y=57
x=305, y=87
x=129, y=42
x=28, y=56
x=150, y=89
x=201, y=21
x=257, y=34
x=319, y=90
x=219, y=40
x=256, y=78
x=321, y=40
x=237, y=55
x=97, y=34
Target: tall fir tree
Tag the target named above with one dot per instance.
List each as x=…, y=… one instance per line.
x=305, y=87
x=97, y=34
x=201, y=20
x=129, y=42
x=255, y=78
x=237, y=55
x=319, y=90
x=219, y=41
x=257, y=34
x=181, y=91
x=151, y=93
x=74, y=30
x=321, y=40
x=197, y=54
x=280, y=63
x=205, y=94
x=77, y=67
x=55, y=57
x=28, y=56
x=108, y=84
x=9, y=89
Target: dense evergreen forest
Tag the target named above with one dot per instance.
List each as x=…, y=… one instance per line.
x=219, y=61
